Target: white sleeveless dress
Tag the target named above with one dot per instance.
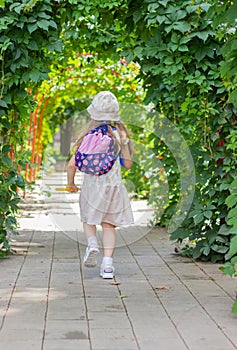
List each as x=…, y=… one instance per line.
x=105, y=199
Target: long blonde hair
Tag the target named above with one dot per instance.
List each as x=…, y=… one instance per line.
x=92, y=124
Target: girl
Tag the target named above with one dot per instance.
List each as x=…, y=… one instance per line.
x=104, y=199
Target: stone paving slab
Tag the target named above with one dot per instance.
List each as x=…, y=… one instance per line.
x=157, y=300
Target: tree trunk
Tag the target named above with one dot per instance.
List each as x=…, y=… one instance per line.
x=65, y=138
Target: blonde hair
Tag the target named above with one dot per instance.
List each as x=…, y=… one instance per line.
x=92, y=124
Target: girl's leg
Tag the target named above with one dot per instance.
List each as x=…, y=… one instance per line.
x=92, y=250
x=108, y=239
x=90, y=230
x=107, y=269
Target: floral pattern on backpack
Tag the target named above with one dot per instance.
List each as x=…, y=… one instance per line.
x=96, y=154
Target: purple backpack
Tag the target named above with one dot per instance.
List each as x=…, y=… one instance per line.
x=96, y=154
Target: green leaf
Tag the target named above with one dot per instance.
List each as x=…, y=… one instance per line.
x=231, y=13
x=198, y=218
x=180, y=14
x=197, y=252
x=203, y=52
x=224, y=230
x=6, y=161
x=160, y=19
x=34, y=76
x=14, y=205
x=233, y=184
x=231, y=200
x=221, y=239
x=224, y=186
x=164, y=2
x=206, y=250
x=10, y=222
x=6, y=124
x=53, y=24
x=185, y=39
x=25, y=77
x=57, y=46
x=182, y=27
x=179, y=234
x=3, y=103
x=207, y=214
x=4, y=46
x=205, y=6
x=136, y=16
x=234, y=45
x=174, y=38
x=169, y=61
x=232, y=221
x=192, y=8
x=211, y=207
x=195, y=212
x=228, y=269
x=233, y=97
x=6, y=149
x=216, y=257
x=33, y=45
x=233, y=231
x=183, y=48
x=205, y=34
x=43, y=24
x=43, y=15
x=32, y=27
x=17, y=7
x=234, y=261
x=138, y=51
x=234, y=307
x=151, y=21
x=219, y=249
x=173, y=46
x=233, y=248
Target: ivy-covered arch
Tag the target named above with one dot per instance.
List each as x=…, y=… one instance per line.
x=65, y=95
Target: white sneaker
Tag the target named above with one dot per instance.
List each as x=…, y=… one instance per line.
x=90, y=258
x=107, y=271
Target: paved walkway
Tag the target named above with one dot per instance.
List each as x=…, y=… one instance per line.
x=158, y=300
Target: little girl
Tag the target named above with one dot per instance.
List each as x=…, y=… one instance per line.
x=104, y=199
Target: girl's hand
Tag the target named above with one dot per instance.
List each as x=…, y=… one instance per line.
x=72, y=188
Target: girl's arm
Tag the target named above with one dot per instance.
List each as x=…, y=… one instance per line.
x=125, y=153
x=71, y=171
x=125, y=146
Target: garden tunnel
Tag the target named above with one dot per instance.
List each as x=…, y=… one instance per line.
x=187, y=71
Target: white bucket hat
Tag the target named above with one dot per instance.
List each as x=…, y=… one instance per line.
x=104, y=106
